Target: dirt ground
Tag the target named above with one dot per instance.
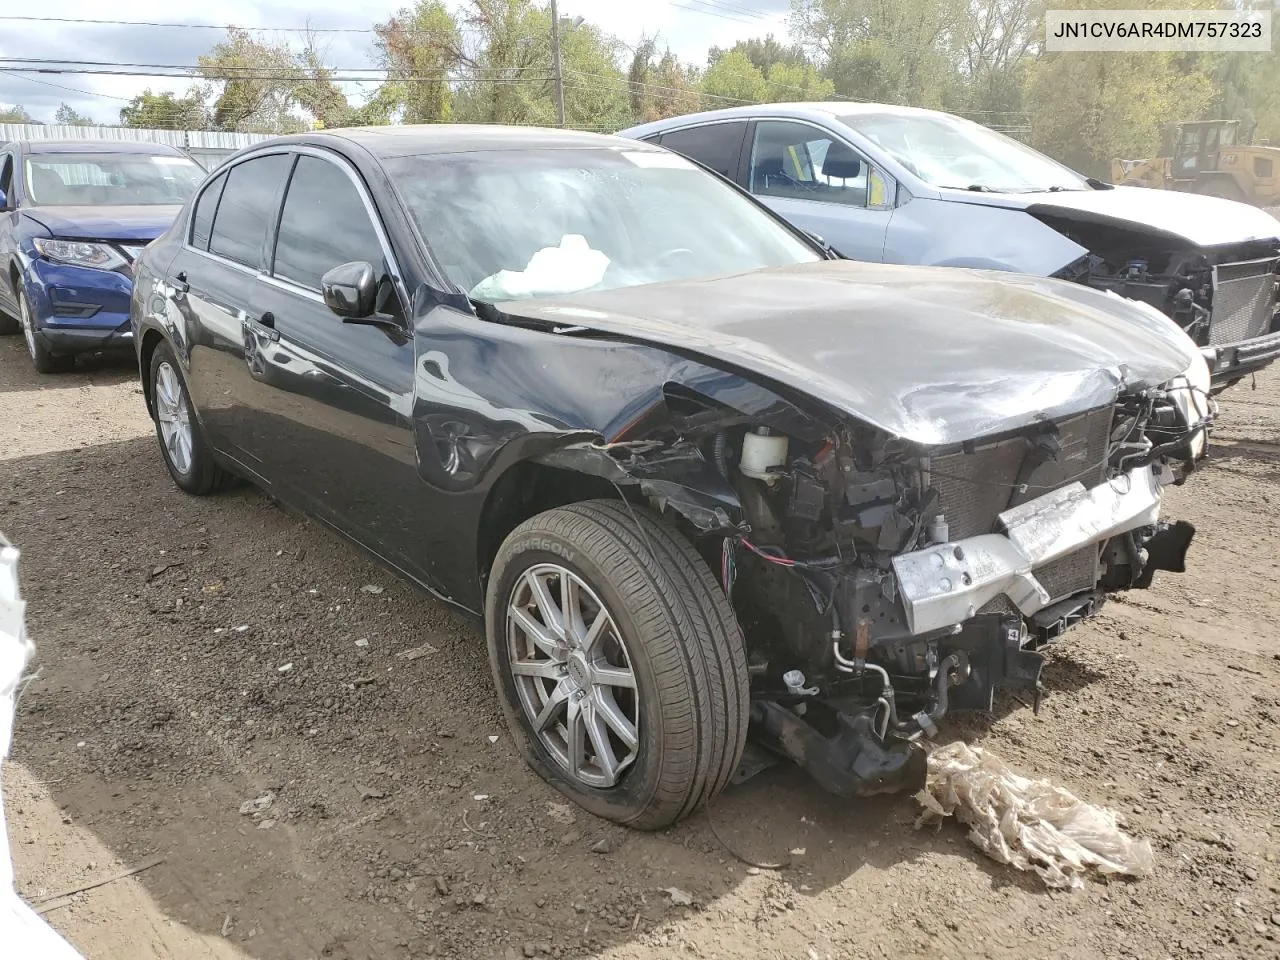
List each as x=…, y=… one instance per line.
x=198, y=654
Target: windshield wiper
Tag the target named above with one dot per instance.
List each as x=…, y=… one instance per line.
x=1097, y=184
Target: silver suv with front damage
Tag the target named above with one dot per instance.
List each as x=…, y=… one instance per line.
x=905, y=185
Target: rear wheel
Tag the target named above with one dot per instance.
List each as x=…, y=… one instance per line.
x=45, y=361
x=186, y=452
x=618, y=660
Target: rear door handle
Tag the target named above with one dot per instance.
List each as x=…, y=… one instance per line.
x=180, y=283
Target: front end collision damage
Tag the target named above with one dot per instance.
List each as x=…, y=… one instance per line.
x=867, y=618
x=806, y=428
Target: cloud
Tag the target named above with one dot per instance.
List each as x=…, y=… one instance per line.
x=688, y=27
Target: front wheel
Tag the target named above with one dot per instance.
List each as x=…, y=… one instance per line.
x=618, y=661
x=45, y=361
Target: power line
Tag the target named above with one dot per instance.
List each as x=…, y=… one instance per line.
x=723, y=12
x=75, y=64
x=87, y=93
x=299, y=76
x=190, y=26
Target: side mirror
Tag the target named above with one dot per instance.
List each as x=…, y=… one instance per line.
x=350, y=290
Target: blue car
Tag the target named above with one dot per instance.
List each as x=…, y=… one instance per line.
x=74, y=215
x=902, y=185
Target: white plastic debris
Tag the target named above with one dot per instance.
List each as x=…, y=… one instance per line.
x=493, y=739
x=284, y=668
x=23, y=933
x=1030, y=824
x=679, y=898
x=372, y=588
x=362, y=642
x=568, y=268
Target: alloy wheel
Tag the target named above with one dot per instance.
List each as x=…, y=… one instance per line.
x=174, y=416
x=28, y=328
x=573, y=674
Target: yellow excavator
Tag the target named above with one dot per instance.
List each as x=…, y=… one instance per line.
x=1209, y=158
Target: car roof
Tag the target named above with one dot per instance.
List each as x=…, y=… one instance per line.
x=99, y=146
x=429, y=138
x=817, y=110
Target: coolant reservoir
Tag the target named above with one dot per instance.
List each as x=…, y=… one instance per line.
x=762, y=451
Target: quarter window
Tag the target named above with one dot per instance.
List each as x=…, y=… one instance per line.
x=799, y=162
x=247, y=208
x=6, y=178
x=324, y=224
x=202, y=215
x=714, y=145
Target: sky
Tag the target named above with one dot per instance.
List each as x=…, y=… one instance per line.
x=688, y=27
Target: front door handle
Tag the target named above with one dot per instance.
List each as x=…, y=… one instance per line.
x=267, y=326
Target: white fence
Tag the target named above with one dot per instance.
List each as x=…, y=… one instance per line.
x=206, y=146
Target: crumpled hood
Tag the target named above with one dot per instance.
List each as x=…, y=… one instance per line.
x=1203, y=221
x=142, y=224
x=933, y=355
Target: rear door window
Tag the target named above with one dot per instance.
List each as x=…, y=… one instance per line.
x=247, y=208
x=715, y=145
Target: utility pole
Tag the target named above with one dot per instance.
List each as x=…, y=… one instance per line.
x=558, y=68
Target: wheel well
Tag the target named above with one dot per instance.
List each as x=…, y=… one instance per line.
x=150, y=340
x=527, y=489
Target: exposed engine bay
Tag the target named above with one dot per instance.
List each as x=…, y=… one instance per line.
x=881, y=584
x=1219, y=295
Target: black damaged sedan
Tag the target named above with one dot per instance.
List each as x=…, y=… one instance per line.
x=712, y=492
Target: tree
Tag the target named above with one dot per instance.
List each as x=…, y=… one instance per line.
x=1117, y=105
x=733, y=77
x=1087, y=109
x=662, y=89
x=764, y=54
x=996, y=45
x=67, y=116
x=510, y=72
x=797, y=81
x=166, y=111
x=16, y=114
x=419, y=47
x=897, y=51
x=257, y=83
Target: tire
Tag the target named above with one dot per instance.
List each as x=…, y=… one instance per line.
x=190, y=458
x=670, y=623
x=44, y=360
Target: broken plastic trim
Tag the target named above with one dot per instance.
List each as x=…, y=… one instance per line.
x=948, y=583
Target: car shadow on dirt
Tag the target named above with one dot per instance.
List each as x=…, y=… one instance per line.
x=90, y=369
x=315, y=748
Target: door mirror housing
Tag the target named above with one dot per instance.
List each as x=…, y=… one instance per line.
x=351, y=290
